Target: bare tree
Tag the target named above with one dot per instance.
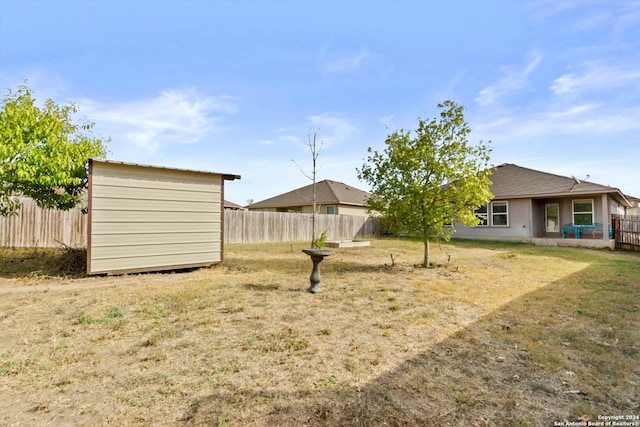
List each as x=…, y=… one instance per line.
x=315, y=152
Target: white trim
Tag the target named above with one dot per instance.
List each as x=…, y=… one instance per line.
x=484, y=215
x=505, y=214
x=546, y=218
x=573, y=209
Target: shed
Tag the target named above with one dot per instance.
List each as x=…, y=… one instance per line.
x=150, y=218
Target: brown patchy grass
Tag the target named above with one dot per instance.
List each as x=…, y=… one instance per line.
x=502, y=335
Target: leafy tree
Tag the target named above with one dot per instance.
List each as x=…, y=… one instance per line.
x=424, y=181
x=43, y=153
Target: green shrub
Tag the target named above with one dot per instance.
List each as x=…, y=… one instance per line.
x=321, y=240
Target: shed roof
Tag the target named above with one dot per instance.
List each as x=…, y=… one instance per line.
x=226, y=176
x=327, y=192
x=512, y=181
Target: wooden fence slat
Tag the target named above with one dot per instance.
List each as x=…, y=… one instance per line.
x=626, y=231
x=36, y=227
x=256, y=227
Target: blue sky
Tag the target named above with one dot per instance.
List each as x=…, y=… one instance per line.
x=236, y=86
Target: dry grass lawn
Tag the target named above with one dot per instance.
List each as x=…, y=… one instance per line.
x=497, y=335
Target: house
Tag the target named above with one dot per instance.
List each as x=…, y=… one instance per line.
x=530, y=204
x=232, y=206
x=635, y=205
x=150, y=218
x=332, y=197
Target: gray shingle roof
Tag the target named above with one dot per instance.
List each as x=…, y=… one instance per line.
x=231, y=205
x=513, y=181
x=327, y=192
x=509, y=182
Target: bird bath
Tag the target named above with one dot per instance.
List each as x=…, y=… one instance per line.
x=317, y=255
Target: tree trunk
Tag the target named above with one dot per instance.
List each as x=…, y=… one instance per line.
x=314, y=156
x=313, y=217
x=425, y=261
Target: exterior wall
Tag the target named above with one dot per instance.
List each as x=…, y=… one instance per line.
x=520, y=224
x=144, y=218
x=566, y=208
x=616, y=208
x=603, y=207
x=351, y=210
x=527, y=218
x=309, y=209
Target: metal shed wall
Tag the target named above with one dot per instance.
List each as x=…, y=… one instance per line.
x=145, y=218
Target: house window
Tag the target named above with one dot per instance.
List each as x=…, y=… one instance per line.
x=500, y=214
x=331, y=210
x=582, y=212
x=481, y=213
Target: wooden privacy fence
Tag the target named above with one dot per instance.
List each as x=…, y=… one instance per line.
x=257, y=227
x=626, y=231
x=36, y=227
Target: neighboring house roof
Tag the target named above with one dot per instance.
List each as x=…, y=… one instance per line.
x=512, y=181
x=635, y=201
x=327, y=193
x=231, y=205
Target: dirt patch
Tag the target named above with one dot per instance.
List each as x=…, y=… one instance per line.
x=475, y=342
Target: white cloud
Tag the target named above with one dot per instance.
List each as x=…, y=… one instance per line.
x=543, y=10
x=332, y=129
x=573, y=111
x=291, y=139
x=345, y=64
x=174, y=116
x=585, y=120
x=594, y=77
x=44, y=85
x=513, y=79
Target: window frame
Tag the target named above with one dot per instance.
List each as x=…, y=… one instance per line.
x=504, y=214
x=482, y=215
x=573, y=211
x=335, y=211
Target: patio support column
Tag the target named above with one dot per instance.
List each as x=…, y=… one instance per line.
x=606, y=218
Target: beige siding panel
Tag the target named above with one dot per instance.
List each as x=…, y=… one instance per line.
x=352, y=210
x=136, y=193
x=150, y=263
x=151, y=250
x=128, y=239
x=163, y=179
x=148, y=227
x=157, y=185
x=138, y=204
x=171, y=215
x=148, y=218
